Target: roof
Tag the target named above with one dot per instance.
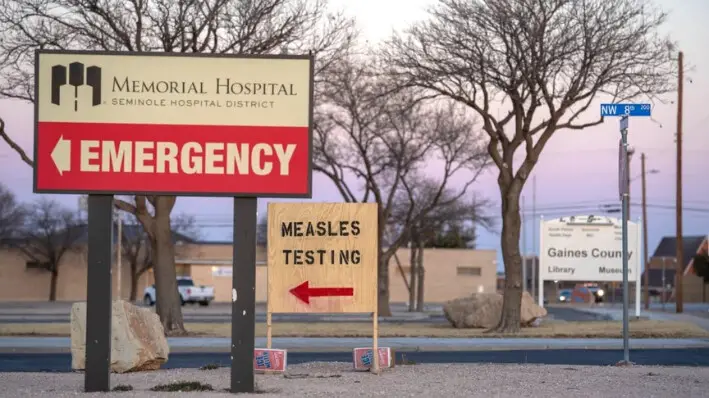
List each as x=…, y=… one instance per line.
x=668, y=247
x=131, y=231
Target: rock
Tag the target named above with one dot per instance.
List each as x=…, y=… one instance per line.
x=531, y=311
x=483, y=310
x=138, y=339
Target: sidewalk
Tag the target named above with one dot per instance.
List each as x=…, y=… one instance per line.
x=617, y=314
x=28, y=311
x=219, y=344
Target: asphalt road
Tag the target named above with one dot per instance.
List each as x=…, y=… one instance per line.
x=652, y=357
x=222, y=314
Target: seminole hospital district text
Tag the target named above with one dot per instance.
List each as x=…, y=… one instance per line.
x=224, y=86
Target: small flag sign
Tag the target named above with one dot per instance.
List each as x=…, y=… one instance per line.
x=270, y=360
x=364, y=360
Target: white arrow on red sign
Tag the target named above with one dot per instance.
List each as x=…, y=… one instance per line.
x=61, y=155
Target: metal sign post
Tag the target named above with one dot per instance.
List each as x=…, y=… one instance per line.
x=624, y=226
x=625, y=111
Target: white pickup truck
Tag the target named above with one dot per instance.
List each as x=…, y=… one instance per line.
x=189, y=292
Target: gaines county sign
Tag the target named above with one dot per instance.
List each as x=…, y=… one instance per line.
x=576, y=249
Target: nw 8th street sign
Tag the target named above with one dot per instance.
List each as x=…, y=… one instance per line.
x=168, y=124
x=322, y=257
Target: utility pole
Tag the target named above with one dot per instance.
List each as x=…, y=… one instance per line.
x=678, y=240
x=535, y=260
x=645, y=255
x=524, y=248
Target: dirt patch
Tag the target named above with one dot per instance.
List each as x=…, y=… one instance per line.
x=440, y=380
x=592, y=329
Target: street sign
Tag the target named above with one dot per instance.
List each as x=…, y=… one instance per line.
x=162, y=123
x=624, y=123
x=626, y=110
x=322, y=257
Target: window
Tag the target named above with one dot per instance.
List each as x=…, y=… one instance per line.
x=185, y=282
x=35, y=265
x=469, y=271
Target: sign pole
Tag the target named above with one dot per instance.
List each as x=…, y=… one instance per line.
x=540, y=298
x=243, y=296
x=98, y=294
x=638, y=284
x=624, y=221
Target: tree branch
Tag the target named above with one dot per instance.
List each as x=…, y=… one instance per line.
x=13, y=145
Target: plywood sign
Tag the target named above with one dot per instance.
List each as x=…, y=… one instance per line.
x=322, y=257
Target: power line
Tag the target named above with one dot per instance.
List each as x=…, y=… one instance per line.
x=594, y=206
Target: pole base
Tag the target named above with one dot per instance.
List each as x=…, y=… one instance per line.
x=624, y=363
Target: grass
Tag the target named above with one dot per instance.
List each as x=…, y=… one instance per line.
x=182, y=386
x=642, y=328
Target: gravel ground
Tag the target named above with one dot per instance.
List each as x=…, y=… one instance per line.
x=338, y=380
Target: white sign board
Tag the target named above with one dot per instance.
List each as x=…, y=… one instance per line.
x=222, y=271
x=576, y=249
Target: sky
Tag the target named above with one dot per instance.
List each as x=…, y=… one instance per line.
x=577, y=172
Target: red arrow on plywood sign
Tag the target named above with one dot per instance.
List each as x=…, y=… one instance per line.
x=304, y=292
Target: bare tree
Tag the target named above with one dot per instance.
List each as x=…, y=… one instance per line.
x=50, y=232
x=137, y=250
x=369, y=138
x=210, y=26
x=530, y=68
x=451, y=212
x=12, y=215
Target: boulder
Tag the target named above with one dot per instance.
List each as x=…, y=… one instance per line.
x=138, y=340
x=483, y=310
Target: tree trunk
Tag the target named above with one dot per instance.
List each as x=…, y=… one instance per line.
x=53, y=285
x=421, y=272
x=383, y=308
x=512, y=296
x=168, y=302
x=134, y=285
x=413, y=267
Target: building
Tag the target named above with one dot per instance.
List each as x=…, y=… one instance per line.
x=663, y=266
x=450, y=273
x=22, y=279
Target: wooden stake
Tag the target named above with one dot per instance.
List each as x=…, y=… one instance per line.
x=268, y=329
x=375, y=343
